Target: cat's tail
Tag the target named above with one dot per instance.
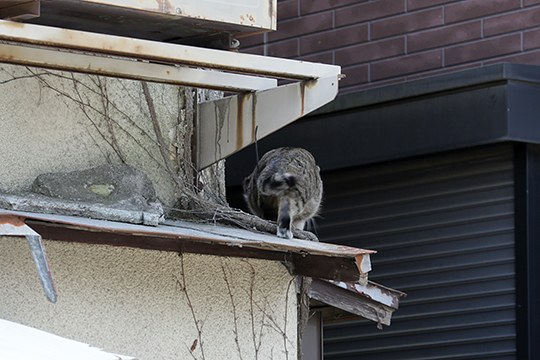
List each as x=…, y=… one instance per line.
x=277, y=183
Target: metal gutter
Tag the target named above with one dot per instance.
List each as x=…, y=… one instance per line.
x=486, y=76
x=469, y=108
x=314, y=259
x=129, y=69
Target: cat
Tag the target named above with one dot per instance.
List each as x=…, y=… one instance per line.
x=286, y=187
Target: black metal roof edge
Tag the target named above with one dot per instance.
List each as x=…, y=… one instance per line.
x=464, y=109
x=434, y=84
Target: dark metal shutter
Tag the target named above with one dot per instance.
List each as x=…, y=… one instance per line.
x=444, y=229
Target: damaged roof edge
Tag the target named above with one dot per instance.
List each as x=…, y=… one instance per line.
x=307, y=258
x=15, y=227
x=371, y=301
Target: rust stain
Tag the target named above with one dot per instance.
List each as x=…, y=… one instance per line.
x=240, y=121
x=361, y=262
x=272, y=11
x=242, y=100
x=12, y=220
x=254, y=119
x=302, y=97
x=14, y=24
x=309, y=84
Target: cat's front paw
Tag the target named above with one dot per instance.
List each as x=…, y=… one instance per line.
x=284, y=233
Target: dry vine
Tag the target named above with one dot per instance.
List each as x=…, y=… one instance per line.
x=196, y=202
x=233, y=305
x=190, y=183
x=198, y=325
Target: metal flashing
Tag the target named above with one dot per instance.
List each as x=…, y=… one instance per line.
x=14, y=226
x=465, y=109
x=307, y=258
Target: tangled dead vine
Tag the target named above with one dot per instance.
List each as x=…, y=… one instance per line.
x=201, y=194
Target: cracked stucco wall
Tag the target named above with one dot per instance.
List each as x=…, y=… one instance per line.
x=55, y=121
x=129, y=301
x=132, y=302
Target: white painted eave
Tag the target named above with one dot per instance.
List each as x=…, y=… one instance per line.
x=224, y=126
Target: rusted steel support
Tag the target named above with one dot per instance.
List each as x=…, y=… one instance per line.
x=227, y=125
x=224, y=126
x=15, y=226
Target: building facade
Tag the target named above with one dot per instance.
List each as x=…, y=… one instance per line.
x=429, y=152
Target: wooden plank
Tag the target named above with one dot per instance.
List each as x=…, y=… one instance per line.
x=350, y=302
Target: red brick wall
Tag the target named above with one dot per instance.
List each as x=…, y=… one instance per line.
x=378, y=42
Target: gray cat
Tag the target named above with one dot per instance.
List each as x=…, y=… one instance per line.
x=286, y=187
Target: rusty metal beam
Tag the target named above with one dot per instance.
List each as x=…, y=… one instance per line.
x=132, y=69
x=224, y=126
x=227, y=125
x=12, y=225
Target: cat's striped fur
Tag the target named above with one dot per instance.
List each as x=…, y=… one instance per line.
x=286, y=187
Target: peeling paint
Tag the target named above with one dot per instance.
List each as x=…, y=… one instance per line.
x=15, y=221
x=373, y=291
x=240, y=121
x=325, y=260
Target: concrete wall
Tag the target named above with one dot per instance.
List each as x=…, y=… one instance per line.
x=125, y=300
x=133, y=301
x=54, y=121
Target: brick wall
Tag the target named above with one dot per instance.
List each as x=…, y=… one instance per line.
x=379, y=42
